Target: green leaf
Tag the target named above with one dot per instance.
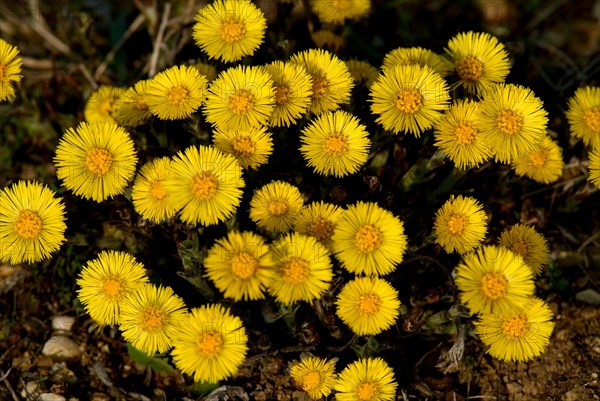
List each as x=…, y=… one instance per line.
x=203, y=388
x=157, y=364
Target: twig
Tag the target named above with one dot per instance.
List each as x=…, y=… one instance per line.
x=38, y=24
x=545, y=13
x=158, y=41
x=87, y=75
x=9, y=387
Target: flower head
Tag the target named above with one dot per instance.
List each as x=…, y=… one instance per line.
x=275, y=206
x=519, y=336
x=32, y=222
x=319, y=220
x=206, y=69
x=240, y=265
x=205, y=184
x=362, y=72
x=369, y=240
x=10, y=69
x=210, y=344
x=594, y=166
x=150, y=199
x=544, y=163
x=150, y=317
x=527, y=243
x=369, y=379
x=512, y=121
x=228, y=30
x=458, y=136
x=494, y=280
x=251, y=147
x=101, y=106
x=417, y=56
x=131, y=109
x=335, y=143
x=480, y=61
x=409, y=98
x=176, y=92
x=303, y=269
x=240, y=98
x=105, y=281
x=326, y=39
x=95, y=161
x=584, y=115
x=331, y=80
x=293, y=91
x=460, y=224
x=316, y=376
x=337, y=11
x=368, y=305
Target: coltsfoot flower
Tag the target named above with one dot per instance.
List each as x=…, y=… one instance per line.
x=275, y=206
x=369, y=379
x=460, y=224
x=544, y=163
x=10, y=69
x=527, y=243
x=584, y=115
x=316, y=376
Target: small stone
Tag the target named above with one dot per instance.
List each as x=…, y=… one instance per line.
x=100, y=397
x=51, y=397
x=571, y=396
x=30, y=391
x=61, y=347
x=62, y=323
x=589, y=296
x=594, y=375
x=514, y=388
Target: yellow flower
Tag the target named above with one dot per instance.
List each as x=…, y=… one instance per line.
x=176, y=92
x=335, y=143
x=105, y=281
x=131, y=109
x=512, y=121
x=32, y=222
x=480, y=61
x=275, y=206
x=527, y=243
x=369, y=240
x=251, y=147
x=229, y=29
x=240, y=98
x=240, y=265
x=210, y=344
x=325, y=39
x=303, y=270
x=206, y=69
x=319, y=220
x=362, y=72
x=460, y=224
x=337, y=11
x=519, y=336
x=10, y=69
x=368, y=305
x=316, y=376
x=543, y=163
x=100, y=107
x=409, y=98
x=369, y=379
x=458, y=136
x=293, y=91
x=493, y=279
x=205, y=184
x=331, y=80
x=95, y=161
x=148, y=194
x=150, y=317
x=584, y=115
x=594, y=166
x=417, y=56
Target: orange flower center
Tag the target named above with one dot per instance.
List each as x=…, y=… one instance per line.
x=515, y=327
x=243, y=146
x=177, y=95
x=320, y=86
x=465, y=133
x=243, y=266
x=509, y=122
x=409, y=101
x=494, y=285
x=537, y=159
x=336, y=144
x=277, y=208
x=112, y=287
x=140, y=103
x=321, y=229
x=232, y=30
x=157, y=191
x=28, y=224
x=295, y=270
x=457, y=224
x=209, y=344
x=98, y=161
x=591, y=118
x=282, y=94
x=153, y=319
x=311, y=381
x=368, y=304
x=469, y=68
x=366, y=391
x=241, y=102
x=204, y=185
x=106, y=106
x=368, y=238
x=519, y=247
